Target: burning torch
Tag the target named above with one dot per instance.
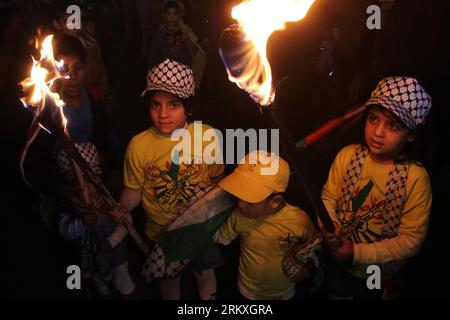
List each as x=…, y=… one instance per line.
x=48, y=110
x=243, y=52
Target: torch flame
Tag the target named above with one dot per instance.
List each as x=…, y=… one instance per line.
x=259, y=19
x=43, y=74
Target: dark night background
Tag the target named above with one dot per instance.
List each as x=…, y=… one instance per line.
x=413, y=41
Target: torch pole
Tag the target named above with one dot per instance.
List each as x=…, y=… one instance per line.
x=239, y=56
x=296, y=158
x=88, y=200
x=97, y=183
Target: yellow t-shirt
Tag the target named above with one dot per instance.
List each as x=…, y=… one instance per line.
x=264, y=240
x=166, y=187
x=363, y=221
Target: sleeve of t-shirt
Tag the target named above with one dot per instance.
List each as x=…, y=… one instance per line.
x=70, y=227
x=412, y=230
x=229, y=230
x=133, y=171
x=332, y=188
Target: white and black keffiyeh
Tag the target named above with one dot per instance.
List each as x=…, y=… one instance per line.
x=88, y=152
x=156, y=266
x=395, y=197
x=405, y=97
x=171, y=76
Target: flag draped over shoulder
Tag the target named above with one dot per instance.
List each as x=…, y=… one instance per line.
x=195, y=225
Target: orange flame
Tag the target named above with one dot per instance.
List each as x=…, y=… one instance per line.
x=43, y=74
x=259, y=19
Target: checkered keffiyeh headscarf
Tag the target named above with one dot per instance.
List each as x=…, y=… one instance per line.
x=171, y=76
x=405, y=97
x=395, y=197
x=88, y=152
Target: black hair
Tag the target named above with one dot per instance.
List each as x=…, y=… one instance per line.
x=188, y=104
x=413, y=151
x=65, y=45
x=171, y=4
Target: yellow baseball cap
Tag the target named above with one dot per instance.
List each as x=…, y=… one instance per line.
x=258, y=175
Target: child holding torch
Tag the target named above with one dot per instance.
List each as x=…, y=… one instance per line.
x=378, y=195
x=163, y=185
x=84, y=215
x=267, y=225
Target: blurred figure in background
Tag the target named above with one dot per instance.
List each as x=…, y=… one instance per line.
x=96, y=75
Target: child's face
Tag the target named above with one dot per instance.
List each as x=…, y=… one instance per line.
x=385, y=134
x=167, y=112
x=76, y=70
x=171, y=17
x=266, y=207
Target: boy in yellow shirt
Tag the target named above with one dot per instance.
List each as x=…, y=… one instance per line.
x=378, y=194
x=267, y=224
x=164, y=186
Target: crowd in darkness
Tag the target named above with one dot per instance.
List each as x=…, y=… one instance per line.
x=323, y=66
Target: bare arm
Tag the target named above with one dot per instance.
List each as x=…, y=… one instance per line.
x=130, y=198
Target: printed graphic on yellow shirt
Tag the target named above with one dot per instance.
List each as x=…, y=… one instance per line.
x=172, y=186
x=287, y=242
x=364, y=220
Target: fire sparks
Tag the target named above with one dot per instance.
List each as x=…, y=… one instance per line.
x=38, y=87
x=257, y=20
